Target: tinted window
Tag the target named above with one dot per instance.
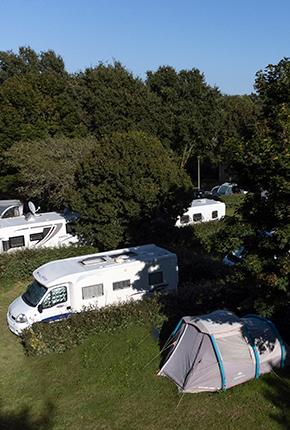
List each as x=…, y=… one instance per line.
x=34, y=293
x=120, y=285
x=197, y=217
x=16, y=241
x=155, y=278
x=214, y=214
x=36, y=237
x=184, y=219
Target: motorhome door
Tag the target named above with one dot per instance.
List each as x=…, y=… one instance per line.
x=55, y=304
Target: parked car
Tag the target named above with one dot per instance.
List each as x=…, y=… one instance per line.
x=10, y=208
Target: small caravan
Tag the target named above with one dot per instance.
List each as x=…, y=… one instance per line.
x=202, y=210
x=35, y=231
x=92, y=281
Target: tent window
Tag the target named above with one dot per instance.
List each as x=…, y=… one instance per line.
x=93, y=291
x=155, y=278
x=5, y=244
x=197, y=217
x=214, y=214
x=120, y=285
x=16, y=242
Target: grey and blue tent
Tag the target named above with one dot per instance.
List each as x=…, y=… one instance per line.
x=219, y=350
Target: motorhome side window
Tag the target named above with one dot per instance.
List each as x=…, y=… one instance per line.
x=155, y=278
x=197, y=217
x=120, y=285
x=214, y=214
x=93, y=291
x=54, y=297
x=184, y=219
x=39, y=236
x=16, y=241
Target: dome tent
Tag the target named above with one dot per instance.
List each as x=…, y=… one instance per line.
x=219, y=350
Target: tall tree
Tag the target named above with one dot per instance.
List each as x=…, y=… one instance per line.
x=128, y=190
x=191, y=106
x=265, y=170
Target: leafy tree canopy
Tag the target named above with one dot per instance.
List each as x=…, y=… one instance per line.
x=192, y=110
x=128, y=189
x=45, y=168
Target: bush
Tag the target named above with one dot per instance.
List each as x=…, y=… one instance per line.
x=43, y=338
x=21, y=264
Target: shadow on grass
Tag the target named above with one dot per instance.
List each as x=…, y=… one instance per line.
x=23, y=419
x=277, y=392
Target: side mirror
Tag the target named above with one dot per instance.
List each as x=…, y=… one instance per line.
x=40, y=308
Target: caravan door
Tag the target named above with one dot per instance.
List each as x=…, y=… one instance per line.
x=55, y=304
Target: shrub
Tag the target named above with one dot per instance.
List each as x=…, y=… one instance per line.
x=21, y=264
x=43, y=338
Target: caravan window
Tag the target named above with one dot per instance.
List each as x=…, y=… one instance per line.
x=36, y=236
x=185, y=219
x=16, y=241
x=56, y=296
x=155, y=278
x=214, y=214
x=120, y=285
x=93, y=291
x=39, y=236
x=197, y=217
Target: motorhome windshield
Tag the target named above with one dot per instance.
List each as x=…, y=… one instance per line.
x=34, y=294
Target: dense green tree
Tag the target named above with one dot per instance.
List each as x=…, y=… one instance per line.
x=128, y=189
x=265, y=170
x=114, y=100
x=192, y=118
x=45, y=168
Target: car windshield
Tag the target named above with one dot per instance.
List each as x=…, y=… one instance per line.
x=223, y=189
x=34, y=293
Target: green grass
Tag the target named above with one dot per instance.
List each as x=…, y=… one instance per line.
x=233, y=202
x=110, y=382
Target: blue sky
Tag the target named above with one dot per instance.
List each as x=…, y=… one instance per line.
x=229, y=41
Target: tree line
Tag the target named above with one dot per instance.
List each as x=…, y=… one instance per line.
x=122, y=151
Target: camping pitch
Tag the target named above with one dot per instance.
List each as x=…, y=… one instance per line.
x=219, y=350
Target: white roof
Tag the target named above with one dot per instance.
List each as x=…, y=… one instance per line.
x=205, y=202
x=21, y=221
x=59, y=271
x=216, y=322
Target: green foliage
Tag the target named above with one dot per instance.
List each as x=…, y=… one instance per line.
x=192, y=118
x=20, y=265
x=45, y=168
x=43, y=338
x=130, y=189
x=113, y=100
x=265, y=166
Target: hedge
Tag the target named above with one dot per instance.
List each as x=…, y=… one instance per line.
x=20, y=264
x=44, y=338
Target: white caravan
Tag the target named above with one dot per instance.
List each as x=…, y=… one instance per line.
x=35, y=231
x=202, y=210
x=10, y=208
x=92, y=281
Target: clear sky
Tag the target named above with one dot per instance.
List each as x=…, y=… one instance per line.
x=229, y=41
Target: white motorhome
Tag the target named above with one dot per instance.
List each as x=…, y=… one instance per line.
x=92, y=281
x=202, y=210
x=10, y=208
x=35, y=231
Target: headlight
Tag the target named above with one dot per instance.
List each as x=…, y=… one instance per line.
x=21, y=318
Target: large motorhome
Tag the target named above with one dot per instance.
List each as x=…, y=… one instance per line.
x=35, y=231
x=202, y=210
x=93, y=281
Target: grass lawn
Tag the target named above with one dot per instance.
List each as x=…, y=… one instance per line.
x=107, y=383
